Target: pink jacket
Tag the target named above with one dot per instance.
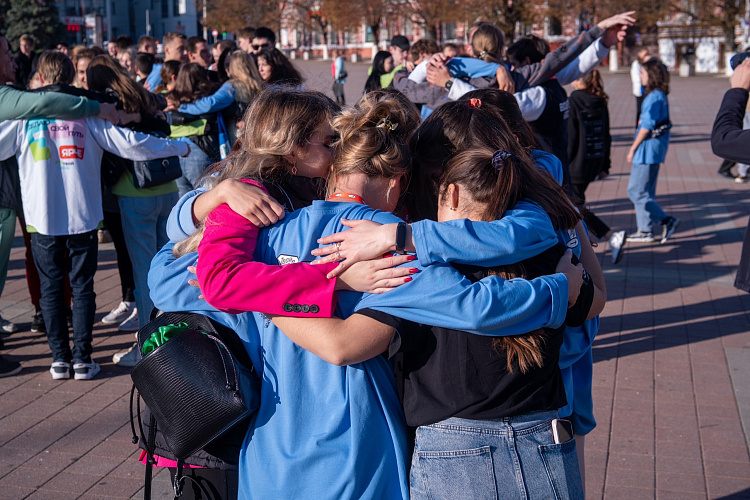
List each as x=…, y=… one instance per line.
x=232, y=282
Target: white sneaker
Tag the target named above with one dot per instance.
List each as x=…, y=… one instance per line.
x=616, y=241
x=128, y=358
x=7, y=326
x=85, y=371
x=60, y=370
x=119, y=313
x=131, y=324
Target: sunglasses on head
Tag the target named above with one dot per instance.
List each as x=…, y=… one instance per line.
x=261, y=46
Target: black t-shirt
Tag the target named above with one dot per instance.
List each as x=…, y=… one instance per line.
x=447, y=373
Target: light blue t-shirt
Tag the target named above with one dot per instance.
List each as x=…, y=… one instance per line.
x=654, y=111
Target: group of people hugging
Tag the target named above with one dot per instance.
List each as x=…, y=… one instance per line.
x=450, y=315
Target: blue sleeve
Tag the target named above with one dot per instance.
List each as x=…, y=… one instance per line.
x=473, y=68
x=442, y=296
x=577, y=340
x=154, y=78
x=652, y=110
x=221, y=99
x=550, y=163
x=168, y=283
x=524, y=232
x=180, y=222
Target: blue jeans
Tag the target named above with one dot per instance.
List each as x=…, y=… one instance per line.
x=642, y=192
x=144, y=224
x=80, y=264
x=192, y=168
x=509, y=458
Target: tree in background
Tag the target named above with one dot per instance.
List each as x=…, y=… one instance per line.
x=350, y=15
x=233, y=15
x=507, y=13
x=38, y=18
x=723, y=14
x=431, y=13
x=4, y=8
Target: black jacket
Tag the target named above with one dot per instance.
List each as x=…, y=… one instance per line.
x=728, y=140
x=589, y=140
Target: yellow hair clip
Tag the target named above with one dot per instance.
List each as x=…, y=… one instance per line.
x=387, y=123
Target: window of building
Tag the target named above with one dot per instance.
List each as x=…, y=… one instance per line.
x=368, y=35
x=164, y=8
x=555, y=26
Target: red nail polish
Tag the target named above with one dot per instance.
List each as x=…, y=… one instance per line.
x=408, y=280
x=412, y=257
x=413, y=270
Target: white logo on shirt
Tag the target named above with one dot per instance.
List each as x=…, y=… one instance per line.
x=573, y=241
x=287, y=259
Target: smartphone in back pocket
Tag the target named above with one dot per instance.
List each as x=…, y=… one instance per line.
x=562, y=430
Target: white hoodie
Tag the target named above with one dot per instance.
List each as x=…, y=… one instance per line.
x=60, y=167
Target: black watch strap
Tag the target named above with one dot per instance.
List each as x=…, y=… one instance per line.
x=448, y=85
x=401, y=238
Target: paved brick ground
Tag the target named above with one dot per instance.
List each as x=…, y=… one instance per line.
x=669, y=421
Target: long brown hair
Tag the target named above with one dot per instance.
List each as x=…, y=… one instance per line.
x=496, y=180
x=168, y=70
x=276, y=122
x=103, y=73
x=453, y=127
x=505, y=106
x=593, y=84
x=192, y=84
x=245, y=77
x=658, y=77
x=283, y=71
x=498, y=186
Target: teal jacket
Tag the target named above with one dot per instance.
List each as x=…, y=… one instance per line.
x=19, y=105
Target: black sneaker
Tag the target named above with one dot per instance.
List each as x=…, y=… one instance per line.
x=669, y=226
x=37, y=323
x=8, y=368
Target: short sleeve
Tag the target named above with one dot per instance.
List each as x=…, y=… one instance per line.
x=400, y=340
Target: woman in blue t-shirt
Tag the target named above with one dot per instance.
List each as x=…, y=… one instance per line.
x=647, y=154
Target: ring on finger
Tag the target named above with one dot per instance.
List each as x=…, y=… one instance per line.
x=337, y=245
x=338, y=254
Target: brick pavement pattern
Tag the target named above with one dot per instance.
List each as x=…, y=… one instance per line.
x=668, y=421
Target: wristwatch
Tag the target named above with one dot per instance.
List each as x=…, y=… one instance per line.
x=448, y=85
x=401, y=238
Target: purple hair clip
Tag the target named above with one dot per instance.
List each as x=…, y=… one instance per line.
x=500, y=157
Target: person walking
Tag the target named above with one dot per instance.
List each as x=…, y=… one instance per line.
x=647, y=154
x=339, y=77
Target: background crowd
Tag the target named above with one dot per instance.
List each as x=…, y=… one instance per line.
x=191, y=105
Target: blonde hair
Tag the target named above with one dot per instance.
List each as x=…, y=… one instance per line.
x=488, y=43
x=245, y=75
x=374, y=136
x=55, y=67
x=276, y=122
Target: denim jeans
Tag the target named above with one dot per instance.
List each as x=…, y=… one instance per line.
x=144, y=224
x=80, y=264
x=642, y=192
x=192, y=168
x=508, y=458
